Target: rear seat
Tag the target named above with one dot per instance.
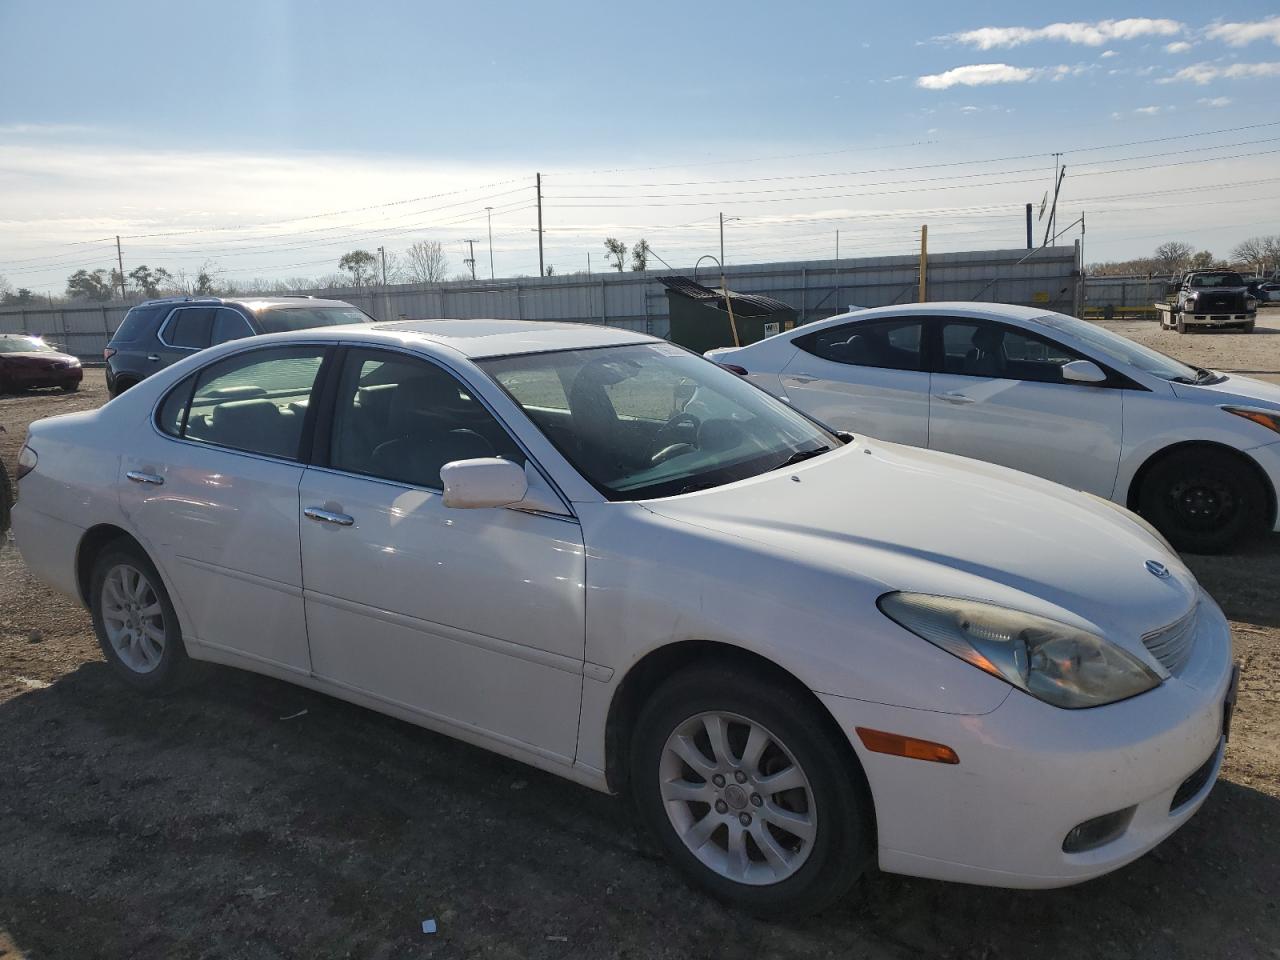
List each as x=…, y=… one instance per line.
x=257, y=425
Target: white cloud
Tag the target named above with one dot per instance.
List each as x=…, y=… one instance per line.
x=1214, y=101
x=977, y=75
x=1242, y=34
x=1106, y=53
x=1090, y=34
x=1178, y=46
x=985, y=74
x=1202, y=73
x=1147, y=111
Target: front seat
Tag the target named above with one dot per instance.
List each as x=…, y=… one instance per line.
x=985, y=358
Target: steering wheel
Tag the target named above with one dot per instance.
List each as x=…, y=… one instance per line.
x=666, y=443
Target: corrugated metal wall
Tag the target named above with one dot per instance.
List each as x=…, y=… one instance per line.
x=816, y=289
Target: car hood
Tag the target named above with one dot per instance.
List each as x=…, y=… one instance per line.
x=917, y=520
x=1232, y=389
x=35, y=359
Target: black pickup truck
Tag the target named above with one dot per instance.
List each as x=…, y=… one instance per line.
x=1208, y=298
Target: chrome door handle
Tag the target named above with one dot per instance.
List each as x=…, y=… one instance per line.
x=154, y=357
x=137, y=476
x=328, y=516
x=953, y=397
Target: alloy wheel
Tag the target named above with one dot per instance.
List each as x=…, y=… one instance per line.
x=737, y=798
x=133, y=618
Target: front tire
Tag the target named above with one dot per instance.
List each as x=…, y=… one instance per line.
x=750, y=793
x=134, y=619
x=71, y=387
x=1202, y=500
x=1181, y=325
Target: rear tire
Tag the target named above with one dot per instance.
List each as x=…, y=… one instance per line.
x=120, y=387
x=1202, y=500
x=70, y=387
x=788, y=851
x=134, y=619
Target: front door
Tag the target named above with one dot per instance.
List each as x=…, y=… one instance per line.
x=470, y=617
x=999, y=396
x=864, y=377
x=214, y=494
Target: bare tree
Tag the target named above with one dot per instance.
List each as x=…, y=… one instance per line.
x=616, y=251
x=1259, y=252
x=426, y=262
x=1173, y=256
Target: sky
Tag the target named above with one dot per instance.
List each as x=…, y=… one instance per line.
x=267, y=138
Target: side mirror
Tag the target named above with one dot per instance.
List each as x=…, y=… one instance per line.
x=484, y=482
x=1082, y=371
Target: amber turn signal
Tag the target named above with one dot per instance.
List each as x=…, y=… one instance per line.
x=877, y=741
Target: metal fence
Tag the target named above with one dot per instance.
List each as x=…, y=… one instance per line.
x=1124, y=292
x=816, y=289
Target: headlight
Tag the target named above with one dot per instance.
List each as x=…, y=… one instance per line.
x=1263, y=418
x=1142, y=522
x=1052, y=661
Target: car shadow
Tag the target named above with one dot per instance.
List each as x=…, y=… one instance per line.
x=1246, y=584
x=248, y=817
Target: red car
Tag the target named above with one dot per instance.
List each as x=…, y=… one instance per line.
x=30, y=362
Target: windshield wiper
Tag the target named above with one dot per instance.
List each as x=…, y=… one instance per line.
x=801, y=455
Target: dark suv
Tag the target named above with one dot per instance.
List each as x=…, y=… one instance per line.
x=160, y=332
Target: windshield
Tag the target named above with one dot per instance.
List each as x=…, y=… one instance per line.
x=653, y=420
x=1217, y=280
x=280, y=319
x=24, y=345
x=1112, y=346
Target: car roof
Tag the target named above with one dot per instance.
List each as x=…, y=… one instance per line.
x=952, y=308
x=495, y=338
x=254, y=303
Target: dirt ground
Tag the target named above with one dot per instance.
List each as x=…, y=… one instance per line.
x=220, y=823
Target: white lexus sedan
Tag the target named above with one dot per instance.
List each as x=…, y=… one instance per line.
x=1194, y=451
x=800, y=653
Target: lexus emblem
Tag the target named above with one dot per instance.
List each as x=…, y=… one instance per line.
x=1157, y=569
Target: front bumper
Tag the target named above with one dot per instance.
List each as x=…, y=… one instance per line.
x=1030, y=772
x=1217, y=319
x=1267, y=457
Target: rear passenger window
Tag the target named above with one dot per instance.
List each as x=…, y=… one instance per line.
x=889, y=344
x=190, y=328
x=255, y=402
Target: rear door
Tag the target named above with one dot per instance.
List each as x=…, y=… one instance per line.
x=212, y=491
x=998, y=395
x=864, y=376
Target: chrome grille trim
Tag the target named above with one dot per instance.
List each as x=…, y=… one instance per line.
x=1172, y=645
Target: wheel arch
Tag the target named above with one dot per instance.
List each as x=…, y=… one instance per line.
x=93, y=542
x=1132, y=496
x=648, y=673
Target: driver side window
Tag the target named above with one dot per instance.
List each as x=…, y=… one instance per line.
x=995, y=351
x=401, y=419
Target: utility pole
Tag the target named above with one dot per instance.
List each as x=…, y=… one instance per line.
x=120, y=261
x=924, y=262
x=383, y=253
x=1053, y=210
x=724, y=288
x=837, y=246
x=471, y=261
x=1029, y=240
x=489, y=211
x=542, y=272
